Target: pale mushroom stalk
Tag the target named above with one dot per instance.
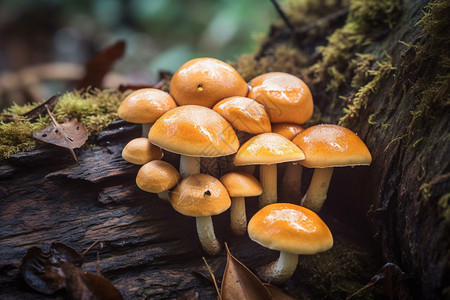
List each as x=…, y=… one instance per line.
x=238, y=217
x=189, y=165
x=206, y=235
x=317, y=191
x=164, y=195
x=281, y=269
x=268, y=179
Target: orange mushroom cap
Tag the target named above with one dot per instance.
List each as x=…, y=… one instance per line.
x=244, y=114
x=330, y=145
x=157, y=176
x=288, y=130
x=140, y=151
x=285, y=97
x=267, y=149
x=290, y=228
x=145, y=105
x=194, y=130
x=200, y=195
x=205, y=81
x=240, y=184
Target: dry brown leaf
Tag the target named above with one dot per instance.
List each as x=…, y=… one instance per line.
x=277, y=293
x=70, y=135
x=239, y=282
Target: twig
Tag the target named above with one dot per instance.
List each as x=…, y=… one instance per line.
x=213, y=278
x=283, y=15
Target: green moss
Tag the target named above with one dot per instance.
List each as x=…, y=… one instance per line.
x=383, y=69
x=364, y=18
x=303, y=12
x=95, y=108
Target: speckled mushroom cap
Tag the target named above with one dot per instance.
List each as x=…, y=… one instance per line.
x=200, y=195
x=332, y=146
x=290, y=228
x=285, y=97
x=157, y=176
x=205, y=81
x=244, y=114
x=288, y=130
x=145, y=105
x=194, y=130
x=241, y=184
x=267, y=149
x=139, y=151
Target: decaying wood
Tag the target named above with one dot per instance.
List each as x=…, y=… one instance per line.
x=150, y=251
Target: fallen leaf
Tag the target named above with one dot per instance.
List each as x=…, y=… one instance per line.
x=35, y=112
x=70, y=135
x=98, y=66
x=239, y=282
x=87, y=286
x=42, y=270
x=277, y=293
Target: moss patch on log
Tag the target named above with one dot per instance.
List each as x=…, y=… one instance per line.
x=95, y=108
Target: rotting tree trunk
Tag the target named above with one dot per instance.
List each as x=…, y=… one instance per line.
x=152, y=252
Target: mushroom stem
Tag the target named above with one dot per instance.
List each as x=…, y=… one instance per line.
x=208, y=240
x=281, y=269
x=317, y=191
x=189, y=165
x=268, y=179
x=237, y=216
x=292, y=180
x=146, y=129
x=164, y=195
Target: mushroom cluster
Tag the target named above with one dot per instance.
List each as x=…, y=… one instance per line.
x=211, y=112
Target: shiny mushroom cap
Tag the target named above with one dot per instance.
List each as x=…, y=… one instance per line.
x=194, y=130
x=140, y=151
x=200, y=195
x=290, y=228
x=267, y=149
x=244, y=114
x=332, y=146
x=288, y=130
x=285, y=97
x=240, y=184
x=157, y=176
x=205, y=81
x=145, y=105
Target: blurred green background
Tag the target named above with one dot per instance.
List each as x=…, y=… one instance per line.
x=160, y=34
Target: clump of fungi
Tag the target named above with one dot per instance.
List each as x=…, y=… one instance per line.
x=210, y=111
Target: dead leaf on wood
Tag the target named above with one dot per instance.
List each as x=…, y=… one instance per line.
x=70, y=135
x=35, y=112
x=240, y=283
x=98, y=66
x=87, y=286
x=42, y=270
x=277, y=293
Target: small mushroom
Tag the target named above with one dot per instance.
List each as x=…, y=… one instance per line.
x=285, y=97
x=205, y=81
x=193, y=132
x=202, y=196
x=327, y=146
x=140, y=151
x=292, y=230
x=292, y=179
x=157, y=177
x=145, y=106
x=239, y=186
x=267, y=150
x=244, y=114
